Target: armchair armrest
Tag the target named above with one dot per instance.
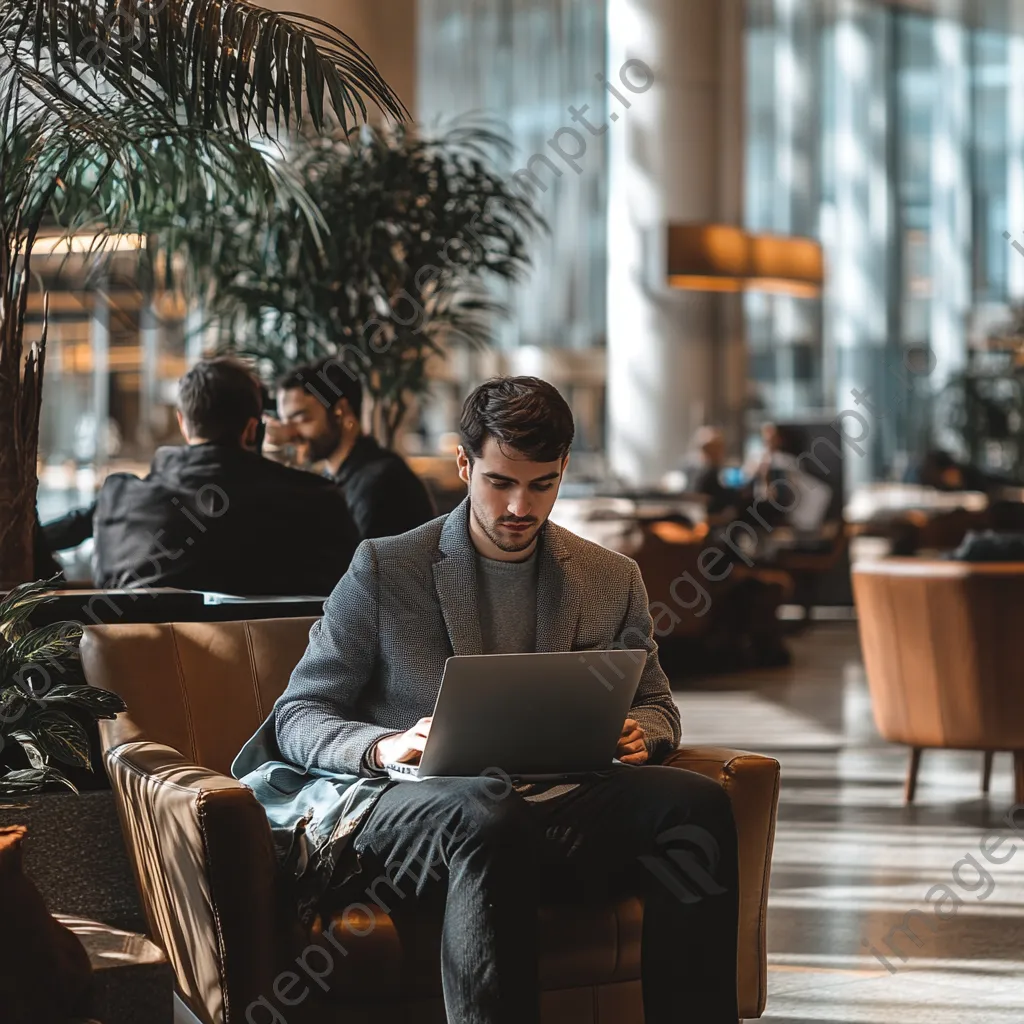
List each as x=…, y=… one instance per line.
x=204, y=864
x=752, y=782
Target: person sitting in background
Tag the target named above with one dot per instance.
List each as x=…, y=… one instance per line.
x=321, y=405
x=939, y=469
x=1002, y=542
x=213, y=514
x=707, y=476
x=780, y=474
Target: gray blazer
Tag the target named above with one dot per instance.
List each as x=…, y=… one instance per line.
x=374, y=663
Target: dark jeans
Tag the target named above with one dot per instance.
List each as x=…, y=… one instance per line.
x=665, y=832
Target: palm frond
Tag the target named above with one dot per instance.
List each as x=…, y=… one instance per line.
x=228, y=64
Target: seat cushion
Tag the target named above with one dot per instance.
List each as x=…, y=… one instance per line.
x=580, y=945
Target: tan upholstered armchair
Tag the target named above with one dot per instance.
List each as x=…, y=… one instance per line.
x=202, y=853
x=942, y=652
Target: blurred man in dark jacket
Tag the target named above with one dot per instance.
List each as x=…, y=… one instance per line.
x=320, y=405
x=213, y=514
x=706, y=476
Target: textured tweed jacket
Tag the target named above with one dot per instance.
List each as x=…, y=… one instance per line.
x=374, y=663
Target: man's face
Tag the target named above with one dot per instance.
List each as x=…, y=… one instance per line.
x=311, y=421
x=510, y=496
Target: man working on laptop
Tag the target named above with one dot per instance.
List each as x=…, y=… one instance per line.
x=496, y=577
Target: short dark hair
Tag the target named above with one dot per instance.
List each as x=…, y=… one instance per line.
x=523, y=413
x=218, y=397
x=330, y=380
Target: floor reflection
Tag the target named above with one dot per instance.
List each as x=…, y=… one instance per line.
x=851, y=862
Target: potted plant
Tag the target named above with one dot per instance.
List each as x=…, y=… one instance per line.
x=421, y=228
x=113, y=112
x=43, y=696
x=47, y=711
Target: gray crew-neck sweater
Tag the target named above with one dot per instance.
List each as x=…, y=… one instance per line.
x=507, y=596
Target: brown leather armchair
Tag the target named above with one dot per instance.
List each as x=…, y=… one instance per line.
x=202, y=853
x=941, y=649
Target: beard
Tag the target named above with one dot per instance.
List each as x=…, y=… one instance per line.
x=325, y=444
x=510, y=543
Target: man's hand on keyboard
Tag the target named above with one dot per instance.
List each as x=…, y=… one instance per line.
x=632, y=748
x=405, y=748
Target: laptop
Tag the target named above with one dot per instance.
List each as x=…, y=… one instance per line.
x=531, y=716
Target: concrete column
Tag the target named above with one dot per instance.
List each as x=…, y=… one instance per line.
x=797, y=192
x=673, y=157
x=859, y=239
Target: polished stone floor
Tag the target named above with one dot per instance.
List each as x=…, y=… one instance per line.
x=851, y=861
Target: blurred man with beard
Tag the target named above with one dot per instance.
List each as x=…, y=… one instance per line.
x=213, y=514
x=320, y=405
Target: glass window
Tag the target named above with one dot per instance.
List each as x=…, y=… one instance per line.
x=990, y=96
x=525, y=64
x=914, y=59
x=877, y=176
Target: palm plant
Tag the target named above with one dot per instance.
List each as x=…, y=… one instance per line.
x=421, y=228
x=43, y=697
x=114, y=112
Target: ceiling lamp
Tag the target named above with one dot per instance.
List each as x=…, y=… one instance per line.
x=786, y=266
x=722, y=258
x=707, y=257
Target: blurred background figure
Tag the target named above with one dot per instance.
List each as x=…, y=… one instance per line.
x=939, y=469
x=213, y=514
x=706, y=476
x=320, y=406
x=787, y=493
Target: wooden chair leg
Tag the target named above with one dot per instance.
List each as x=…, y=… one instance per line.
x=911, y=787
x=1018, y=776
x=986, y=775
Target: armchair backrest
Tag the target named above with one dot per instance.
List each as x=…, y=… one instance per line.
x=941, y=643
x=200, y=687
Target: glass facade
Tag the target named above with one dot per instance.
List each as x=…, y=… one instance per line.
x=534, y=70
x=113, y=358
x=894, y=136
x=525, y=65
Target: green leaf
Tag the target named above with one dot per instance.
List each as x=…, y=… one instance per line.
x=51, y=644
x=32, y=749
x=314, y=84
x=31, y=780
x=13, y=705
x=281, y=100
x=19, y=604
x=102, y=703
x=62, y=737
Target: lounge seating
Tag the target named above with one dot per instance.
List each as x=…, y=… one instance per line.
x=941, y=647
x=202, y=853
